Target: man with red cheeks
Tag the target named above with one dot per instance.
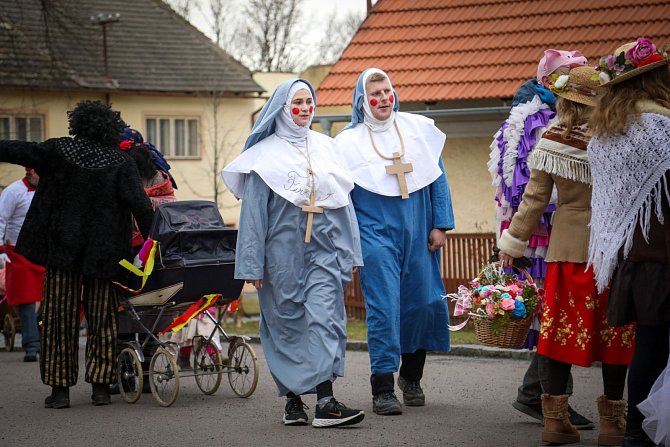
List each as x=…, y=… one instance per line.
x=403, y=206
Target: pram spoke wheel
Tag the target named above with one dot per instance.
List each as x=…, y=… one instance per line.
x=164, y=377
x=206, y=365
x=9, y=331
x=242, y=368
x=129, y=375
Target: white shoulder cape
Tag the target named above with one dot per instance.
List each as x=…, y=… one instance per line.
x=423, y=148
x=284, y=170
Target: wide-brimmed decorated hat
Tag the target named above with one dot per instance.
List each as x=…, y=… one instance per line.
x=579, y=85
x=630, y=60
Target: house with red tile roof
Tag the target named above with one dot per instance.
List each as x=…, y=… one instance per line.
x=184, y=93
x=461, y=61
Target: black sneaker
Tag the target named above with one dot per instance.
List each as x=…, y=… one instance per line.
x=336, y=414
x=580, y=422
x=30, y=357
x=412, y=394
x=532, y=410
x=294, y=412
x=386, y=403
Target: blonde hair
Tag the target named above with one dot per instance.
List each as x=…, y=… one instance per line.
x=571, y=114
x=620, y=100
x=375, y=77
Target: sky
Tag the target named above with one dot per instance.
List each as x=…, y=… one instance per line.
x=315, y=12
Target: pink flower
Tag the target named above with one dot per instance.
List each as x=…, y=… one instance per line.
x=490, y=310
x=507, y=304
x=515, y=289
x=462, y=306
x=642, y=49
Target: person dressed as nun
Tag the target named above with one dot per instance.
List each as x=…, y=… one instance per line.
x=403, y=206
x=298, y=244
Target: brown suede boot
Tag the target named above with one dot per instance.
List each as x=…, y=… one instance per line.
x=612, y=421
x=557, y=426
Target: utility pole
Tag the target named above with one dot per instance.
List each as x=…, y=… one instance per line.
x=103, y=19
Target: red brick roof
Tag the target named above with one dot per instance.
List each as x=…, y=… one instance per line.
x=442, y=50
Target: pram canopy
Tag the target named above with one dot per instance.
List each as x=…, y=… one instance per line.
x=195, y=256
x=192, y=232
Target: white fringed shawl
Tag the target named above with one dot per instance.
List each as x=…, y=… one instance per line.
x=628, y=185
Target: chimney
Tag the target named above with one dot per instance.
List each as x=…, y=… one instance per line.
x=369, y=2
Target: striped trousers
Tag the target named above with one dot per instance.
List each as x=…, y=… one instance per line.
x=64, y=291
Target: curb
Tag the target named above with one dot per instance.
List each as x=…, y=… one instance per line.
x=357, y=345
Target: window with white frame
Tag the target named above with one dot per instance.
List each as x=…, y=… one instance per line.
x=175, y=137
x=22, y=127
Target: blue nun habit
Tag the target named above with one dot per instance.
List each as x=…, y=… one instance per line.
x=303, y=319
x=401, y=279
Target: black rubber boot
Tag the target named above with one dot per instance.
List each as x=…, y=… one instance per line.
x=59, y=398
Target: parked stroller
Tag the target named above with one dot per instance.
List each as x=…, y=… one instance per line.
x=194, y=267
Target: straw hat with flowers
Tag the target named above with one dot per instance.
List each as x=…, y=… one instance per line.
x=629, y=60
x=579, y=85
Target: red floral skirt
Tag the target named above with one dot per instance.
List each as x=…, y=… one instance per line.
x=574, y=325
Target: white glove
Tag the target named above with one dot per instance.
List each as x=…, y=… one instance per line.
x=4, y=258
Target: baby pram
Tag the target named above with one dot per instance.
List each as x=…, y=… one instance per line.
x=194, y=266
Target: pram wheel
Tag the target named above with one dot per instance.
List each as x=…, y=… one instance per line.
x=9, y=331
x=129, y=375
x=164, y=377
x=242, y=368
x=206, y=365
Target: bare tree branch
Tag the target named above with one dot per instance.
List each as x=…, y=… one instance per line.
x=336, y=37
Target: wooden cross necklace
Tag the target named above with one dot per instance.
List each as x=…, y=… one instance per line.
x=311, y=208
x=398, y=168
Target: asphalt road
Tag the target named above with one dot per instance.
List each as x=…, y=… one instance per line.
x=468, y=404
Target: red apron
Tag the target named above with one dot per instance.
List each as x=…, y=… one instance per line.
x=24, y=281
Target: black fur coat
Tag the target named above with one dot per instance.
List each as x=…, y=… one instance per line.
x=80, y=217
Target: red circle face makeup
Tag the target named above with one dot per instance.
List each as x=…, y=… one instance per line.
x=391, y=99
x=295, y=111
x=373, y=102
x=311, y=109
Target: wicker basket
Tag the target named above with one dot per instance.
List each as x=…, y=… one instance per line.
x=511, y=335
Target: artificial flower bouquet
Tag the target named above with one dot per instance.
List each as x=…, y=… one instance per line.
x=643, y=52
x=500, y=304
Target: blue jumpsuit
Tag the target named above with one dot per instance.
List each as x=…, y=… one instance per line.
x=401, y=278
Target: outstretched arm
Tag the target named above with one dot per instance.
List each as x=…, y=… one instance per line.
x=26, y=153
